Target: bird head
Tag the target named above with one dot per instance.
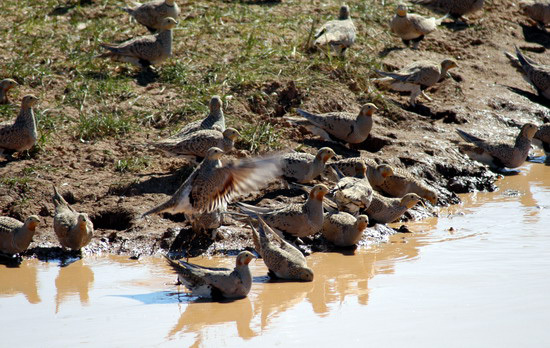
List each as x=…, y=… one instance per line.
x=7, y=84
x=409, y=200
x=362, y=222
x=29, y=101
x=385, y=170
x=325, y=153
x=360, y=169
x=401, y=10
x=231, y=134
x=529, y=130
x=305, y=274
x=215, y=103
x=214, y=153
x=368, y=110
x=244, y=258
x=430, y=195
x=447, y=64
x=318, y=192
x=168, y=23
x=344, y=12
x=32, y=221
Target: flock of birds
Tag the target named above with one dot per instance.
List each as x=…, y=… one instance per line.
x=360, y=190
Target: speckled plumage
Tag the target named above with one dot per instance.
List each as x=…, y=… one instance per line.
x=352, y=194
x=537, y=10
x=344, y=126
x=456, y=8
x=304, y=167
x=197, y=143
x=299, y=220
x=376, y=173
x=383, y=209
x=212, y=184
x=281, y=258
x=410, y=26
x=74, y=230
x=15, y=236
x=5, y=86
x=215, y=119
x=143, y=51
x=536, y=74
x=416, y=77
x=22, y=134
x=151, y=14
x=542, y=138
x=216, y=283
x=337, y=35
x=499, y=155
x=343, y=229
x=402, y=182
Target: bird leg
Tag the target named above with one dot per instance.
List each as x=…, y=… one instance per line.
x=425, y=96
x=415, y=92
x=416, y=42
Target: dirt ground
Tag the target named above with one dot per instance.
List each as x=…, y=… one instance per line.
x=486, y=96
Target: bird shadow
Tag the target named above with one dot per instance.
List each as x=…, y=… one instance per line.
x=535, y=98
x=157, y=297
x=539, y=159
x=535, y=35
x=388, y=50
x=47, y=254
x=165, y=183
x=456, y=25
x=339, y=148
x=65, y=8
x=146, y=76
x=10, y=261
x=188, y=243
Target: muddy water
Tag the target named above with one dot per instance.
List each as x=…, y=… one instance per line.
x=477, y=276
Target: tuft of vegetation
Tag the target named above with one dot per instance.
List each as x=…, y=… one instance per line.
x=98, y=126
x=132, y=164
x=259, y=137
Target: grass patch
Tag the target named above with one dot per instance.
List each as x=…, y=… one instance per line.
x=132, y=164
x=259, y=137
x=101, y=125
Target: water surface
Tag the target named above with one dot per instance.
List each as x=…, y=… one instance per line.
x=477, y=276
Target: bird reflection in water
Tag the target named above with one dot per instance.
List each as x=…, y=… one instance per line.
x=75, y=278
x=20, y=280
x=201, y=314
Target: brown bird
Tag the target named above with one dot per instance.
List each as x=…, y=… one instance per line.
x=214, y=120
x=5, y=86
x=402, y=182
x=412, y=27
x=282, y=259
x=343, y=229
x=216, y=283
x=197, y=143
x=542, y=138
x=304, y=167
x=376, y=173
x=22, y=134
x=151, y=14
x=15, y=236
x=499, y=155
x=416, y=77
x=537, y=10
x=383, y=209
x=212, y=185
x=144, y=51
x=352, y=193
x=348, y=127
x=455, y=8
x=299, y=220
x=337, y=35
x=73, y=229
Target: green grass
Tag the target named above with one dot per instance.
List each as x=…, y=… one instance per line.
x=132, y=164
x=101, y=125
x=259, y=138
